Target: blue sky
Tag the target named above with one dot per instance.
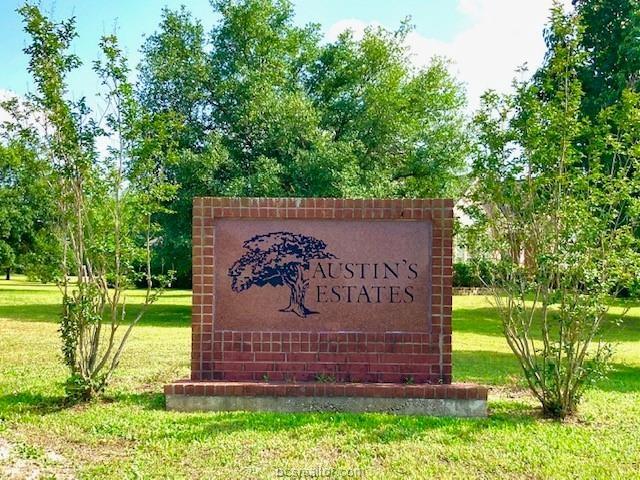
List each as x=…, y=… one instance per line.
x=486, y=39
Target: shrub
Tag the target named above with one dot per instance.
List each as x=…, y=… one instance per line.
x=104, y=205
x=558, y=221
x=474, y=274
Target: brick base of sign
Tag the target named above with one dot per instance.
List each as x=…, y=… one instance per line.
x=462, y=400
x=349, y=357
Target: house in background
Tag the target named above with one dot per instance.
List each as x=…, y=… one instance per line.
x=460, y=252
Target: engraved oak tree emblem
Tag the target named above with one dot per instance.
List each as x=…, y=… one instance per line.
x=277, y=259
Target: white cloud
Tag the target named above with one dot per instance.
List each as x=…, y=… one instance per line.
x=103, y=143
x=502, y=35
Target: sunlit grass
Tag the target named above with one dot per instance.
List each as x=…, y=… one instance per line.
x=129, y=434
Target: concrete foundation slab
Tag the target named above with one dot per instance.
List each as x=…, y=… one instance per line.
x=459, y=400
x=438, y=407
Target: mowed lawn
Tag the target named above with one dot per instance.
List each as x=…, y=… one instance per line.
x=130, y=435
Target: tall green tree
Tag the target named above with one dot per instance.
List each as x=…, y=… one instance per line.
x=266, y=120
x=265, y=108
x=611, y=41
x=609, y=75
x=174, y=74
x=403, y=128
x=25, y=199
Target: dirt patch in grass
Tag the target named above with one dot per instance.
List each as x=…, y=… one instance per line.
x=510, y=392
x=47, y=455
x=24, y=461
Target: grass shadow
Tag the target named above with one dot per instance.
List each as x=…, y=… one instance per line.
x=159, y=315
x=41, y=312
x=29, y=289
x=373, y=428
x=485, y=321
x=622, y=378
x=144, y=400
x=34, y=403
x=499, y=368
x=186, y=294
x=485, y=367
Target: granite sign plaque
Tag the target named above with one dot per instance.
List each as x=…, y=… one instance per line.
x=322, y=275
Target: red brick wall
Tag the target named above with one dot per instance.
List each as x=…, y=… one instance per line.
x=303, y=356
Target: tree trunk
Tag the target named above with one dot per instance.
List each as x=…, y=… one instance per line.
x=8, y=274
x=297, y=290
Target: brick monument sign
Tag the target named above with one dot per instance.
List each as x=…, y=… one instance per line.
x=303, y=304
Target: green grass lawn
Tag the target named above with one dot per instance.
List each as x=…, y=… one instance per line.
x=130, y=435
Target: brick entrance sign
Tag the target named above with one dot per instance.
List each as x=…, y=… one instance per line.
x=318, y=304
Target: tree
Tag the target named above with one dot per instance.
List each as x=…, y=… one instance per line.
x=610, y=75
x=611, y=40
x=556, y=223
x=172, y=90
x=25, y=197
x=173, y=76
x=277, y=259
x=272, y=111
x=104, y=207
x=403, y=129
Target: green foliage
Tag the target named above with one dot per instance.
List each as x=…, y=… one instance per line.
x=610, y=78
x=475, y=274
x=7, y=256
x=78, y=388
x=262, y=107
x=43, y=262
x=82, y=311
x=611, y=40
x=325, y=378
x=403, y=129
x=26, y=215
x=104, y=207
x=557, y=221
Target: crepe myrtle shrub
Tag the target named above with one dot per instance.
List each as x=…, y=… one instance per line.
x=557, y=224
x=104, y=206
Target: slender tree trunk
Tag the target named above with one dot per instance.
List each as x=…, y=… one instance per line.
x=8, y=274
x=297, y=291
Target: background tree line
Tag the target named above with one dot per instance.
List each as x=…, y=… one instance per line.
x=262, y=107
